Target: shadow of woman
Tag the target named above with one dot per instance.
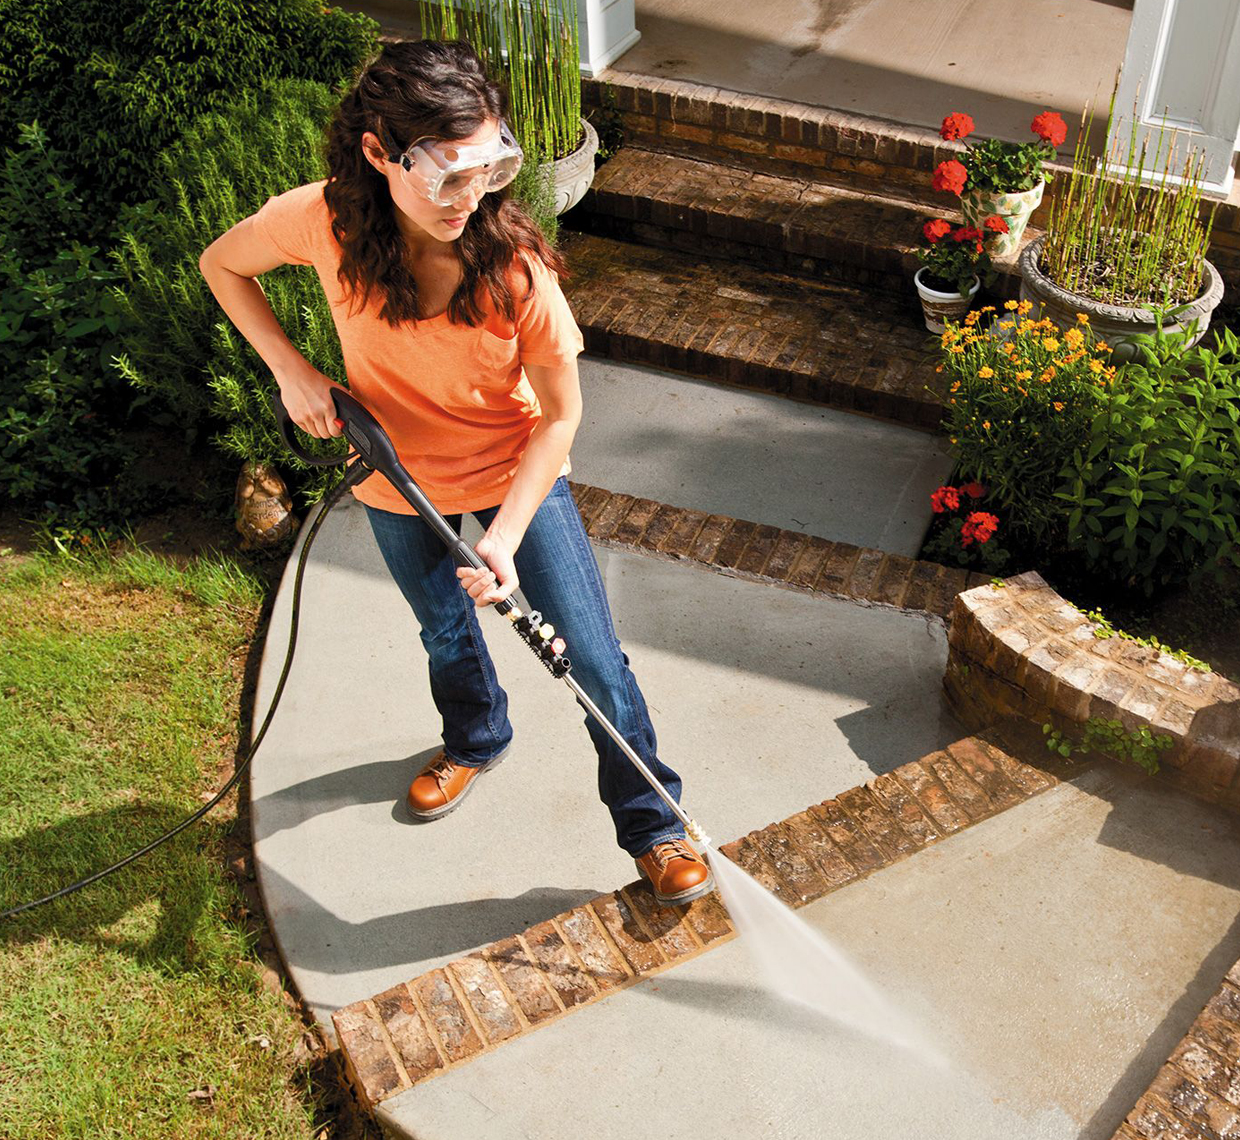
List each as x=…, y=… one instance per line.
x=159, y=910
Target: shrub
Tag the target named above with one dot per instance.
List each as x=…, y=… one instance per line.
x=179, y=344
x=115, y=82
x=1020, y=402
x=60, y=406
x=1153, y=490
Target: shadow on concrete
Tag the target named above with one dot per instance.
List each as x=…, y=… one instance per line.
x=453, y=929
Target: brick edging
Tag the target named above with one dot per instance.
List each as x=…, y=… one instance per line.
x=1197, y=1091
x=1024, y=651
x=762, y=553
x=447, y=1016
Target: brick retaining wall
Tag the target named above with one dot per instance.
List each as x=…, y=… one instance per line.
x=1023, y=650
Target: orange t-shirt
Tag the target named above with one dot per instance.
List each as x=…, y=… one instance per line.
x=455, y=400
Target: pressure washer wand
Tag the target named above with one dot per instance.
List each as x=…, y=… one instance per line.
x=373, y=449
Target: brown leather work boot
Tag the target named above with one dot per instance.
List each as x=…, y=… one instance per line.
x=676, y=872
x=441, y=786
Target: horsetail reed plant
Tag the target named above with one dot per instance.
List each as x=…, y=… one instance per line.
x=533, y=48
x=1113, y=238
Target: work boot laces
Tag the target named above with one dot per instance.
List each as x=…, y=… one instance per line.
x=442, y=770
x=664, y=853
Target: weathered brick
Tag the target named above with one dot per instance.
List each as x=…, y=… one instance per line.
x=975, y=802
x=491, y=1008
x=634, y=523
x=660, y=527
x=784, y=555
x=410, y=1037
x=709, y=920
x=711, y=534
x=881, y=827
x=804, y=880
x=365, y=1047
x=685, y=530
x=1218, y=1025
x=558, y=965
x=809, y=562
x=976, y=760
x=747, y=854
x=734, y=542
x=529, y=989
x=1215, y=1074
x=626, y=932
x=919, y=778
x=610, y=516
x=943, y=594
x=457, y=1036
x=1025, y=776
x=900, y=802
x=893, y=580
x=1216, y=1119
x=581, y=931
x=664, y=923
x=922, y=580
x=1151, y=1120
x=758, y=550
x=811, y=839
x=590, y=501
x=849, y=837
x=837, y=568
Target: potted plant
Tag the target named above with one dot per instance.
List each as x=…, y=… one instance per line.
x=532, y=47
x=954, y=262
x=997, y=178
x=1125, y=253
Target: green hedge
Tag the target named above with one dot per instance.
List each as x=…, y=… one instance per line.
x=180, y=347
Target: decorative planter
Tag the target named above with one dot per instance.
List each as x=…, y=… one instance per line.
x=1115, y=324
x=1013, y=208
x=939, y=307
x=574, y=172
x=264, y=508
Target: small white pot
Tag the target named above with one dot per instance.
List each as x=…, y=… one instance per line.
x=574, y=172
x=939, y=307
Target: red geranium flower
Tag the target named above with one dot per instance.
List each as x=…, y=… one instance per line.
x=974, y=490
x=944, y=499
x=951, y=175
x=996, y=223
x=1050, y=127
x=979, y=526
x=956, y=126
x=936, y=229
x=967, y=233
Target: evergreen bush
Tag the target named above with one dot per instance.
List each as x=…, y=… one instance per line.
x=180, y=347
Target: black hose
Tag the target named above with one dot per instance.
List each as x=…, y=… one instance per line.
x=357, y=472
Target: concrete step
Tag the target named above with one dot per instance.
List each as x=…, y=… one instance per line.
x=829, y=342
x=787, y=224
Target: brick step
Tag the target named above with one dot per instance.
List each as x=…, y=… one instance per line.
x=446, y=1017
x=791, y=225
x=829, y=342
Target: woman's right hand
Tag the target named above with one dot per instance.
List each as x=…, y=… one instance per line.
x=307, y=395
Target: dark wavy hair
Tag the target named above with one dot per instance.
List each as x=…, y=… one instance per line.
x=410, y=90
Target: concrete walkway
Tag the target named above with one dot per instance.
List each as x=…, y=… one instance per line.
x=1057, y=952
x=764, y=699
x=801, y=467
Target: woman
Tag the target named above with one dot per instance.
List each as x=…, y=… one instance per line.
x=457, y=336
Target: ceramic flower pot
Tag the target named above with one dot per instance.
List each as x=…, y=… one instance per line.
x=1013, y=208
x=940, y=307
x=574, y=172
x=1114, y=324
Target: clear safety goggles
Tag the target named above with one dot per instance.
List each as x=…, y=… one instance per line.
x=445, y=171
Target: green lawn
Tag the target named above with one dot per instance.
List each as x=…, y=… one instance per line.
x=133, y=1008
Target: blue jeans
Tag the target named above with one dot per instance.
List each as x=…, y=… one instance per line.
x=560, y=577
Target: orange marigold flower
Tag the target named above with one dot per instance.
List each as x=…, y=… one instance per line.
x=1057, y=406
x=1024, y=374
x=986, y=424
x=1083, y=318
x=1050, y=344
x=985, y=372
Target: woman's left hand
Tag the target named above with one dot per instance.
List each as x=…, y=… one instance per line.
x=487, y=587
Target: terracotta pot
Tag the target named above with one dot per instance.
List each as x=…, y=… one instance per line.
x=939, y=307
x=574, y=172
x=1116, y=324
x=1014, y=208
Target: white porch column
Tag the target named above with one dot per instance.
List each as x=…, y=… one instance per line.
x=607, y=30
x=1182, y=72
